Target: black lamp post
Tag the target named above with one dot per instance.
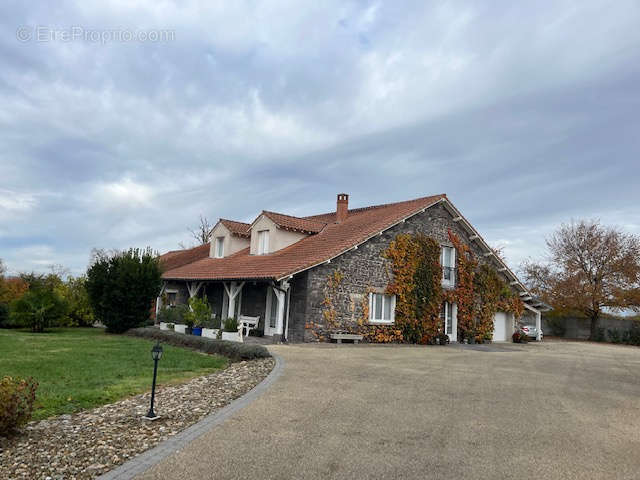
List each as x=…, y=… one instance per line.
x=156, y=354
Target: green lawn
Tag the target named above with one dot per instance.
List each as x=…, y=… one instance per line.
x=79, y=368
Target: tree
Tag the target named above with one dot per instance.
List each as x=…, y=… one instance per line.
x=80, y=313
x=38, y=309
x=202, y=232
x=591, y=268
x=122, y=287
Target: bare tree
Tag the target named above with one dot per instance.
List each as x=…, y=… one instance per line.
x=202, y=232
x=590, y=268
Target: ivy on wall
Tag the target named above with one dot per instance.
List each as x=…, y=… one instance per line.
x=416, y=281
x=480, y=293
x=415, y=265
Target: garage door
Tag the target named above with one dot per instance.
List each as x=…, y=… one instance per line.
x=500, y=327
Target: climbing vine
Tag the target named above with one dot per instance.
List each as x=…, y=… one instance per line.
x=480, y=293
x=417, y=286
x=329, y=311
x=375, y=333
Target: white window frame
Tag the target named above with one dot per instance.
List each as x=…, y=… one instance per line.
x=385, y=298
x=219, y=247
x=452, y=281
x=447, y=314
x=263, y=242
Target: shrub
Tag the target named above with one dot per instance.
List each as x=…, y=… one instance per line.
x=17, y=397
x=633, y=335
x=173, y=314
x=122, y=288
x=614, y=335
x=199, y=313
x=599, y=334
x=4, y=315
x=519, y=337
x=38, y=309
x=232, y=350
x=230, y=325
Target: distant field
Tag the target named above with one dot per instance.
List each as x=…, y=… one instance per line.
x=79, y=368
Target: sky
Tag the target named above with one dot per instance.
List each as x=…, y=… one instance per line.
x=121, y=122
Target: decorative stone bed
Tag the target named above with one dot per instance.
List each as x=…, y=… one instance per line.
x=87, y=444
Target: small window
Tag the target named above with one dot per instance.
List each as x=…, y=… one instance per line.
x=219, y=251
x=448, y=262
x=446, y=314
x=381, y=308
x=263, y=242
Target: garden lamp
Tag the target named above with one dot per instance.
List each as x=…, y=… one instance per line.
x=156, y=354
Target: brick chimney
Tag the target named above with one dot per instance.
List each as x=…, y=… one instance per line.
x=342, y=209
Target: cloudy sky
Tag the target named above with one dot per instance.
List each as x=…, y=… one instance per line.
x=121, y=122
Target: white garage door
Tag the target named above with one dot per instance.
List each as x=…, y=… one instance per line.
x=500, y=327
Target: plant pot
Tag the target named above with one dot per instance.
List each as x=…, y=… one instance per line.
x=232, y=336
x=210, y=332
x=164, y=326
x=180, y=328
x=197, y=331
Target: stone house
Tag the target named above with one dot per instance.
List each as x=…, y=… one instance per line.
x=279, y=268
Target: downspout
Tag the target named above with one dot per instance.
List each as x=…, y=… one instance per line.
x=286, y=320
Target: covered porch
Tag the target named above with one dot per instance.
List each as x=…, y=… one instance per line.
x=266, y=299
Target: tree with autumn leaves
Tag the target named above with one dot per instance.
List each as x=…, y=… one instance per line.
x=590, y=269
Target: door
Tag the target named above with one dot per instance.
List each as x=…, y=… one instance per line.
x=271, y=314
x=500, y=327
x=449, y=315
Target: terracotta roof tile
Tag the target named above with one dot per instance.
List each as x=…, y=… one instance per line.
x=296, y=224
x=178, y=258
x=332, y=240
x=237, y=228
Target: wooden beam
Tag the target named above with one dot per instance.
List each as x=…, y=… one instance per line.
x=488, y=254
x=457, y=219
x=515, y=282
x=473, y=237
x=503, y=269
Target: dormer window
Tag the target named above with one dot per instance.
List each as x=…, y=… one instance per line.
x=263, y=242
x=219, y=247
x=448, y=262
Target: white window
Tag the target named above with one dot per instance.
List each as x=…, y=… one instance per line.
x=448, y=262
x=382, y=308
x=446, y=314
x=263, y=242
x=219, y=251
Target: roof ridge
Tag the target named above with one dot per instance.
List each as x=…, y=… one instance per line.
x=382, y=205
x=292, y=216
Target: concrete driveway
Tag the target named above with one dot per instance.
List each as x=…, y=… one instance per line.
x=552, y=410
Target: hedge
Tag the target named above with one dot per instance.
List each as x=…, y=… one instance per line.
x=235, y=351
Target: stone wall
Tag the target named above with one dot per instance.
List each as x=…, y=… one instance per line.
x=363, y=270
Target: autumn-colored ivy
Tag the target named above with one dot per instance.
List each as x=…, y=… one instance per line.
x=417, y=286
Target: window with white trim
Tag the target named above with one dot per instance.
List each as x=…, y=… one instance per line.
x=263, y=242
x=448, y=262
x=382, y=308
x=446, y=314
x=219, y=250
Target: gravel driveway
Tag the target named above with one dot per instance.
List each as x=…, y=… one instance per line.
x=553, y=410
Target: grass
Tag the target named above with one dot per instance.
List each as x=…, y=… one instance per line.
x=79, y=368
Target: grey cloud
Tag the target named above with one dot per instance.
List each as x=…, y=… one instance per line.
x=524, y=114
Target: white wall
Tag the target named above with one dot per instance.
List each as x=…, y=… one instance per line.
x=278, y=238
x=232, y=243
